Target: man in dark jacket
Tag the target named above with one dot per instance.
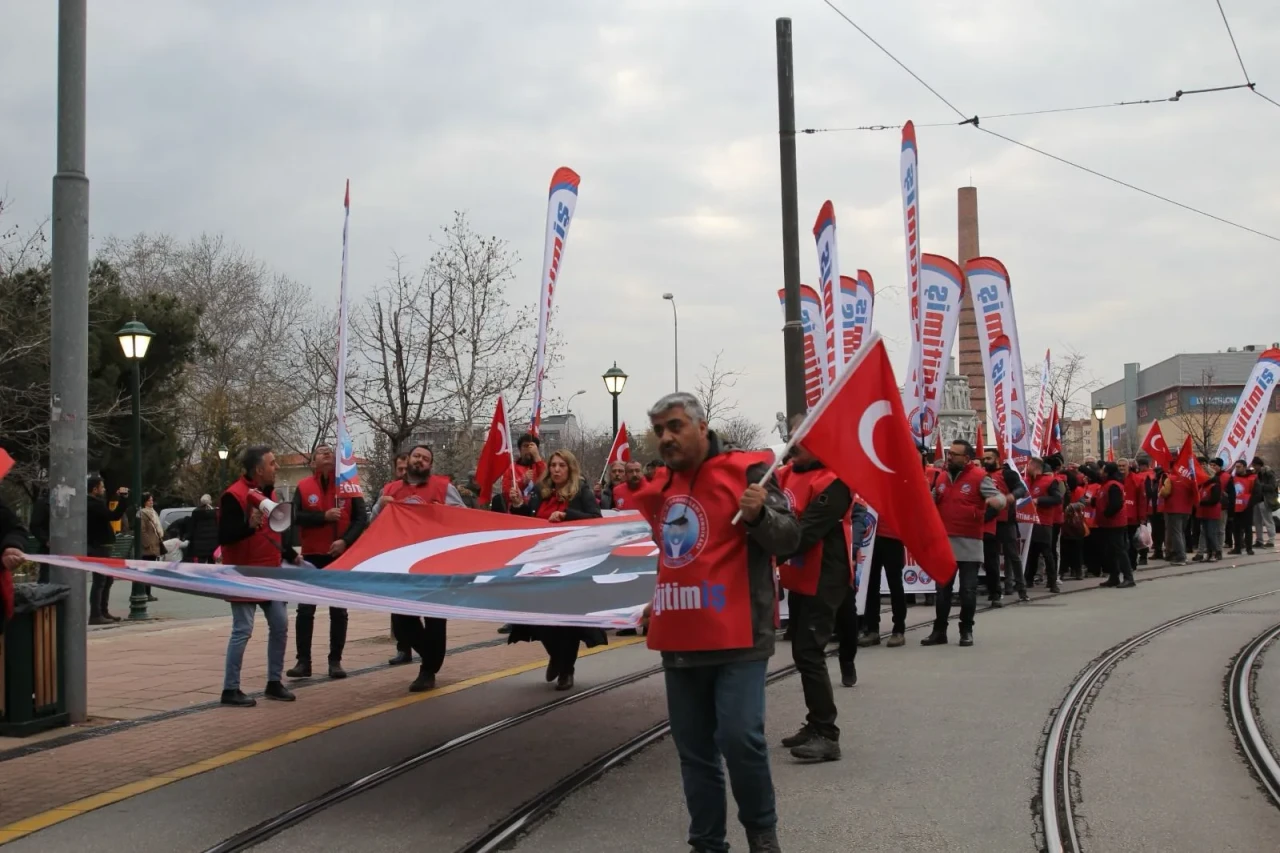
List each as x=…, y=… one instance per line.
x=1265, y=493
x=716, y=652
x=1047, y=493
x=202, y=531
x=13, y=538
x=1109, y=516
x=1005, y=540
x=617, y=476
x=101, y=537
x=813, y=615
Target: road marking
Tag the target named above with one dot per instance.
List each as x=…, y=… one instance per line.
x=46, y=819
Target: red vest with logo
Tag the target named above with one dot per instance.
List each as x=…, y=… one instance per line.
x=318, y=497
x=1100, y=499
x=624, y=497
x=1037, y=489
x=1244, y=489
x=433, y=491
x=1132, y=488
x=1182, y=496
x=702, y=601
x=262, y=547
x=800, y=573
x=961, y=504
x=1060, y=511
x=1090, y=510
x=989, y=527
x=1211, y=511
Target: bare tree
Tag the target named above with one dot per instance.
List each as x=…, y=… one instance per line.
x=316, y=386
x=712, y=387
x=740, y=431
x=396, y=337
x=1203, y=419
x=1068, y=380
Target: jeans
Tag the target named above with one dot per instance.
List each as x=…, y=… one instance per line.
x=812, y=623
x=967, y=576
x=1007, y=534
x=1175, y=536
x=425, y=635
x=1264, y=522
x=242, y=629
x=1210, y=536
x=306, y=622
x=719, y=711
x=888, y=556
x=1115, y=553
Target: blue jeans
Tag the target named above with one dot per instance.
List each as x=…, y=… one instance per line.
x=242, y=630
x=719, y=711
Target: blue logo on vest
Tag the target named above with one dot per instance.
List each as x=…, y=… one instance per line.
x=684, y=531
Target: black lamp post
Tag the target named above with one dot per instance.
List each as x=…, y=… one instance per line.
x=135, y=339
x=614, y=381
x=222, y=468
x=1100, y=414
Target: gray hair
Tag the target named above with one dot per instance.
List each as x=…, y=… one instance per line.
x=205, y=500
x=680, y=400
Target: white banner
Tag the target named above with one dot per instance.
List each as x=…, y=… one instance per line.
x=993, y=306
x=909, y=174
x=815, y=354
x=824, y=235
x=346, y=478
x=915, y=580
x=1039, y=432
x=866, y=545
x=561, y=203
x=857, y=308
x=942, y=289
x=1240, y=437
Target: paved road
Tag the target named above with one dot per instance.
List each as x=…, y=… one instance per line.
x=940, y=751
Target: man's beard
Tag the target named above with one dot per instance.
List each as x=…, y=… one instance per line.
x=526, y=460
x=418, y=476
x=990, y=466
x=955, y=467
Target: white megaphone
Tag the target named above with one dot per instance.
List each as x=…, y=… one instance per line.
x=278, y=514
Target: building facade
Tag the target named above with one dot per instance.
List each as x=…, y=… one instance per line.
x=1190, y=394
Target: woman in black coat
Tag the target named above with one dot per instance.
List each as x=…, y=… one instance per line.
x=561, y=495
x=202, y=531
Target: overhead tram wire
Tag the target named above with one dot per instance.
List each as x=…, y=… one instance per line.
x=1247, y=79
x=975, y=122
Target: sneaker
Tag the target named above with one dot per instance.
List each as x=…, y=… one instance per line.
x=868, y=638
x=966, y=638
x=848, y=673
x=817, y=748
x=302, y=670
x=424, y=682
x=237, y=699
x=336, y=670
x=277, y=691
x=934, y=639
x=401, y=658
x=1022, y=596
x=801, y=736
x=896, y=639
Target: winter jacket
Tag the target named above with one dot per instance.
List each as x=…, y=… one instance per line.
x=202, y=532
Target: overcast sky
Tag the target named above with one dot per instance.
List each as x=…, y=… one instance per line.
x=246, y=117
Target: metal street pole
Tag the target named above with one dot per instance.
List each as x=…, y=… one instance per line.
x=69, y=350
x=675, y=333
x=615, y=414
x=1102, y=451
x=792, y=332
x=138, y=591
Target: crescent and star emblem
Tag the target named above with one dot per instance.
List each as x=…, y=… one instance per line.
x=866, y=431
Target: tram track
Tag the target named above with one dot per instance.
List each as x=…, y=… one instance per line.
x=506, y=830
x=1243, y=713
x=1057, y=799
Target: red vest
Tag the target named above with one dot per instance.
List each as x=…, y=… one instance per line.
x=800, y=573
x=1090, y=510
x=1100, y=499
x=624, y=495
x=989, y=527
x=433, y=491
x=1133, y=495
x=1244, y=488
x=1212, y=511
x=961, y=504
x=526, y=476
x=1038, y=489
x=262, y=547
x=702, y=601
x=1182, y=496
x=321, y=498
x=1060, y=511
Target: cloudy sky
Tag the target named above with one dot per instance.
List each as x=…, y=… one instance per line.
x=245, y=118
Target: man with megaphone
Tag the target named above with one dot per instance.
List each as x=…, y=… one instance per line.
x=250, y=524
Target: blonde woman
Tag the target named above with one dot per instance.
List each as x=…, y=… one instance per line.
x=560, y=495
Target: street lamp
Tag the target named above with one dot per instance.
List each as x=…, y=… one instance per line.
x=1100, y=414
x=614, y=381
x=675, y=334
x=135, y=340
x=568, y=407
x=223, y=453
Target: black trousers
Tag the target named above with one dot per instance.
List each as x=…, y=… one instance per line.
x=306, y=621
x=1193, y=533
x=1242, y=531
x=1115, y=552
x=991, y=566
x=847, y=626
x=813, y=619
x=967, y=577
x=889, y=557
x=1072, y=556
x=425, y=635
x=1043, y=547
x=1092, y=548
x=1228, y=530
x=1132, y=530
x=100, y=585
x=1157, y=535
x=562, y=644
x=1007, y=536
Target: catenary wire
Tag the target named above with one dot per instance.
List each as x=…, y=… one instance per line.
x=1234, y=46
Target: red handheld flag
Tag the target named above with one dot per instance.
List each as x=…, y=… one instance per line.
x=1187, y=466
x=978, y=447
x=879, y=456
x=495, y=456
x=6, y=462
x=1055, y=434
x=621, y=449
x=1156, y=447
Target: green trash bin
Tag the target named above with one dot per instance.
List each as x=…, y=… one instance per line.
x=32, y=671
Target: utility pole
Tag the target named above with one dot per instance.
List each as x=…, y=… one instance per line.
x=792, y=331
x=69, y=347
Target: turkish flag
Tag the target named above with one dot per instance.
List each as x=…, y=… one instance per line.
x=859, y=431
x=495, y=457
x=978, y=446
x=1156, y=447
x=1054, y=441
x=621, y=449
x=6, y=462
x=1187, y=466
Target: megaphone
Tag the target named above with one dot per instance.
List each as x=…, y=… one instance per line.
x=278, y=515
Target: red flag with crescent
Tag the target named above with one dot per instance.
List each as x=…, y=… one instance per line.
x=1156, y=447
x=879, y=455
x=1187, y=466
x=495, y=457
x=621, y=449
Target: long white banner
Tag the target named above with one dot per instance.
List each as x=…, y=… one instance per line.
x=346, y=477
x=993, y=304
x=909, y=166
x=942, y=289
x=1240, y=438
x=561, y=203
x=824, y=235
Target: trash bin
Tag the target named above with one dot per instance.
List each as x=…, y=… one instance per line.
x=32, y=672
